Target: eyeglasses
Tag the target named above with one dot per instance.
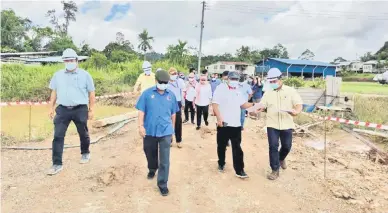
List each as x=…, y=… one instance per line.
x=203, y=79
x=163, y=82
x=273, y=81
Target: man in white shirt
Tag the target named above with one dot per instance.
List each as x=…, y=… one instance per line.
x=189, y=98
x=203, y=96
x=177, y=85
x=227, y=104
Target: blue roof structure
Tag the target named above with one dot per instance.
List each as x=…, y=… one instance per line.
x=53, y=59
x=303, y=62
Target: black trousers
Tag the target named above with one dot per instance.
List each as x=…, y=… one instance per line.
x=275, y=156
x=224, y=134
x=189, y=106
x=178, y=124
x=202, y=110
x=79, y=115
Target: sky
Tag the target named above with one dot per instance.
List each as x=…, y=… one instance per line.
x=328, y=28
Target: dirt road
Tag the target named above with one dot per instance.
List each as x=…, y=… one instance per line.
x=115, y=179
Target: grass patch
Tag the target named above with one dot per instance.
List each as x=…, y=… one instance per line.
x=15, y=122
x=364, y=88
x=371, y=109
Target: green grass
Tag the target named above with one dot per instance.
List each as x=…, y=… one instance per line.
x=15, y=122
x=364, y=88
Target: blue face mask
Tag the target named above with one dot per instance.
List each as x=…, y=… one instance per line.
x=274, y=85
x=233, y=84
x=71, y=65
x=162, y=86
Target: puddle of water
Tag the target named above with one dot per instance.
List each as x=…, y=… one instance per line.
x=319, y=145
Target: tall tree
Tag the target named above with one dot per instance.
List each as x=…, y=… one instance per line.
x=178, y=53
x=69, y=14
x=145, y=41
x=244, y=53
x=119, y=44
x=13, y=30
x=338, y=59
x=307, y=55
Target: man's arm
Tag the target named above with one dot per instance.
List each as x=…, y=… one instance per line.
x=92, y=100
x=140, y=119
x=137, y=85
x=247, y=105
x=173, y=118
x=217, y=112
x=53, y=99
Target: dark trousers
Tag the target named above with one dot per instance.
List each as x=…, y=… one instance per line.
x=158, y=160
x=275, y=155
x=224, y=134
x=178, y=124
x=202, y=110
x=189, y=106
x=79, y=115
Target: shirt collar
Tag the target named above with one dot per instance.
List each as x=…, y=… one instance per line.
x=72, y=72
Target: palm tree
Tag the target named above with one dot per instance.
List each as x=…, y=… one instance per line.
x=178, y=53
x=145, y=40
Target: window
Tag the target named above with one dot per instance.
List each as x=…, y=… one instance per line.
x=222, y=67
x=215, y=67
x=231, y=67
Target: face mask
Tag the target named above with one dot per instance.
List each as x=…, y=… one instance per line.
x=274, y=85
x=162, y=86
x=147, y=72
x=213, y=79
x=71, y=65
x=173, y=77
x=182, y=77
x=233, y=84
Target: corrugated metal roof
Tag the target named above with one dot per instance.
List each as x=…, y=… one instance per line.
x=303, y=62
x=55, y=59
x=27, y=53
x=233, y=63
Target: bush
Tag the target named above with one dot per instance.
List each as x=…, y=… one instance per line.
x=294, y=82
x=318, y=83
x=30, y=83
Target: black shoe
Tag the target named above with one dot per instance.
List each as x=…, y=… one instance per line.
x=221, y=168
x=185, y=121
x=151, y=174
x=198, y=127
x=192, y=122
x=206, y=123
x=164, y=191
x=242, y=175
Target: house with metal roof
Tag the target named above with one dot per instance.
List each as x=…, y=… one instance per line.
x=53, y=59
x=221, y=66
x=294, y=67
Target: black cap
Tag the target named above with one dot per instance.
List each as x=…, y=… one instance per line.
x=225, y=73
x=233, y=75
x=162, y=75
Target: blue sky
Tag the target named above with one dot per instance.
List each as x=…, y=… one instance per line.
x=117, y=11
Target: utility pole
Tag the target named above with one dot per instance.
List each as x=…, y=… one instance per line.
x=200, y=38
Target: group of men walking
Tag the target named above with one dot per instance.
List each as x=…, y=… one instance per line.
x=164, y=95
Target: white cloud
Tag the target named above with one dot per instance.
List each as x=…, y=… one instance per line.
x=329, y=29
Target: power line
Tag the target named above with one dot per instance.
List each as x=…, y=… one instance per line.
x=200, y=38
x=299, y=14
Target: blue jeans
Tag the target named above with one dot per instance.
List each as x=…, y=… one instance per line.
x=158, y=160
x=275, y=156
x=243, y=111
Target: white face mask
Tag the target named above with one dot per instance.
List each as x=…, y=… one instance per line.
x=162, y=86
x=148, y=72
x=233, y=83
x=173, y=77
x=71, y=65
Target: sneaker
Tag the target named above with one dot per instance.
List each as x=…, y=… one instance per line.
x=55, y=169
x=185, y=121
x=198, y=127
x=283, y=164
x=242, y=175
x=274, y=175
x=164, y=191
x=179, y=145
x=221, y=168
x=206, y=123
x=85, y=158
x=242, y=128
x=151, y=174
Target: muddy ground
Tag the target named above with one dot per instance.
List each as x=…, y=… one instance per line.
x=115, y=179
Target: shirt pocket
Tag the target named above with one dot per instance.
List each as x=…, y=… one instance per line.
x=80, y=83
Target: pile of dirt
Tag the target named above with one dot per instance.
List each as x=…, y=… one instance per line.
x=123, y=101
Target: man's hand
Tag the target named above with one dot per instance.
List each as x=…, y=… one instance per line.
x=293, y=112
x=90, y=115
x=51, y=113
x=142, y=131
x=220, y=123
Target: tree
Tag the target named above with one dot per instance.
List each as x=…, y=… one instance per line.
x=13, y=30
x=70, y=9
x=60, y=44
x=307, y=55
x=85, y=50
x=119, y=56
x=244, y=53
x=367, y=57
x=278, y=51
x=119, y=44
x=120, y=37
x=97, y=60
x=338, y=59
x=145, y=40
x=178, y=53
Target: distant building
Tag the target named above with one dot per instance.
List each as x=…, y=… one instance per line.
x=53, y=59
x=221, y=66
x=22, y=57
x=353, y=66
x=375, y=66
x=293, y=67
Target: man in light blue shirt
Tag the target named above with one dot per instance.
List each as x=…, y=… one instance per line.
x=214, y=82
x=246, y=91
x=157, y=109
x=72, y=90
x=177, y=86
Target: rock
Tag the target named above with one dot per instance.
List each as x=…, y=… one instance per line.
x=356, y=202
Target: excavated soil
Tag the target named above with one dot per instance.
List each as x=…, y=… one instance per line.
x=115, y=179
